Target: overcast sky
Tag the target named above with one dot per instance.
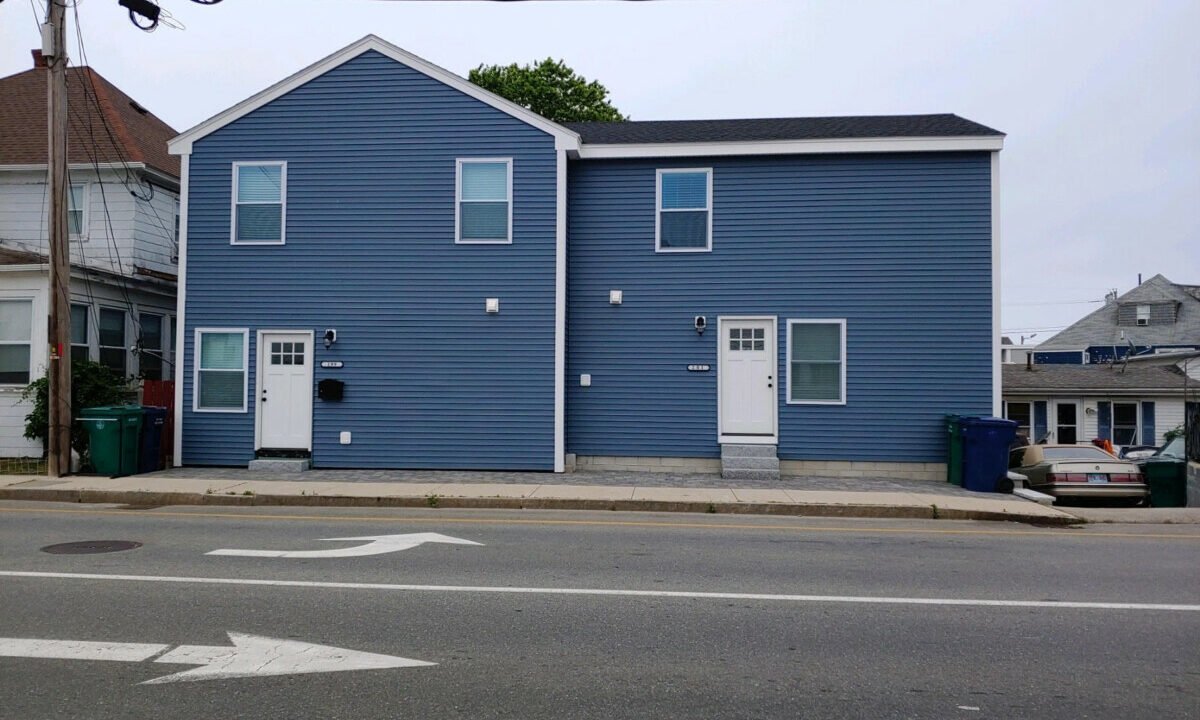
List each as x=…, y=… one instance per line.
x=1100, y=175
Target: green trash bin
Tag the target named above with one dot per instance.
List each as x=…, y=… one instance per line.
x=113, y=435
x=954, y=450
x=1167, y=479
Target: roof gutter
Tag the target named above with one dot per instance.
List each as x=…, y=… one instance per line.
x=1100, y=392
x=823, y=146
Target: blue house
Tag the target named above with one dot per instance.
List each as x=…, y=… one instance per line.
x=385, y=266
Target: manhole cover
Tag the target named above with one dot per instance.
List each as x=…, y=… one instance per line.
x=91, y=547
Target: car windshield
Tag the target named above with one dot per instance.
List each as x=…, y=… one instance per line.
x=1173, y=449
x=1082, y=452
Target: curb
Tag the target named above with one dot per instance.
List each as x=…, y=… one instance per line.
x=133, y=497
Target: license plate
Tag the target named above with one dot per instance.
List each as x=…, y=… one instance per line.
x=1092, y=478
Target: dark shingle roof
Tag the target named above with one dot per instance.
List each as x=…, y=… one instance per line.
x=811, y=128
x=1111, y=379
x=1100, y=326
x=93, y=102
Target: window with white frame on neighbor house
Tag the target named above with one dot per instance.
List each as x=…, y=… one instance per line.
x=483, y=204
x=221, y=370
x=1125, y=423
x=150, y=359
x=1022, y=414
x=817, y=362
x=684, y=213
x=259, y=202
x=80, y=349
x=16, y=341
x=113, y=351
x=77, y=212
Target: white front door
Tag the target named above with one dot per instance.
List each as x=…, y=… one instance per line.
x=1065, y=422
x=746, y=377
x=285, y=393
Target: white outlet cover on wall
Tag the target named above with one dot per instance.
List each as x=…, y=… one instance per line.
x=585, y=380
x=344, y=437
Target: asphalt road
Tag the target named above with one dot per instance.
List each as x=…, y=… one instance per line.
x=731, y=617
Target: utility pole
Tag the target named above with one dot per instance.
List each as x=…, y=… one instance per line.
x=59, y=329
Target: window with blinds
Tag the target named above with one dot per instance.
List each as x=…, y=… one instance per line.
x=221, y=370
x=16, y=341
x=817, y=361
x=484, y=201
x=684, y=222
x=259, y=202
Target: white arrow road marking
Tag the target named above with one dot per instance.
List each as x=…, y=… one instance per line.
x=376, y=545
x=249, y=656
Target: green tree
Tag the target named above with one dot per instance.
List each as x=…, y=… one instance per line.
x=550, y=89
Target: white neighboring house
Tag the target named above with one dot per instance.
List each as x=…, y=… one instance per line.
x=1133, y=403
x=123, y=218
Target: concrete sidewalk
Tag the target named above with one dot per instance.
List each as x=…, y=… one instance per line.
x=180, y=488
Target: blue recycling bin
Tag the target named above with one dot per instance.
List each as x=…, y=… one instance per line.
x=154, y=419
x=986, y=441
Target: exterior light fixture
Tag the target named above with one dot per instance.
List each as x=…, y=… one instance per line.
x=330, y=337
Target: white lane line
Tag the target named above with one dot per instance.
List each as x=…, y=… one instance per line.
x=964, y=602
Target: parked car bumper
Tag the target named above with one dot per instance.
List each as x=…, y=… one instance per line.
x=1094, y=489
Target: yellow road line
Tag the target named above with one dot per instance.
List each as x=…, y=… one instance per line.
x=600, y=523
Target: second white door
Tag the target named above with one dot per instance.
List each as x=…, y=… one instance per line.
x=747, y=377
x=285, y=391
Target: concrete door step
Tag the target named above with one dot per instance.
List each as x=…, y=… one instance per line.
x=286, y=465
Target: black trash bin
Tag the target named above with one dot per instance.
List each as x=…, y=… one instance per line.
x=985, y=453
x=153, y=421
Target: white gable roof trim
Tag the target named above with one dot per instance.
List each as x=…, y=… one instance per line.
x=564, y=139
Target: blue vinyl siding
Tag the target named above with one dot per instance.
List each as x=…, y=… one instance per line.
x=898, y=245
x=431, y=380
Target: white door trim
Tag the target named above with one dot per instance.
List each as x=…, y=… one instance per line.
x=773, y=438
x=258, y=379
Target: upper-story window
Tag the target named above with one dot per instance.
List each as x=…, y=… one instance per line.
x=483, y=206
x=684, y=216
x=259, y=203
x=1143, y=314
x=16, y=341
x=77, y=212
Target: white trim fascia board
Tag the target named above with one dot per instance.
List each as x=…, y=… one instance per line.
x=259, y=375
x=658, y=209
x=1094, y=393
x=997, y=335
x=458, y=165
x=182, y=144
x=560, y=314
x=787, y=358
x=245, y=332
x=79, y=167
x=722, y=436
x=233, y=201
x=991, y=143
x=180, y=303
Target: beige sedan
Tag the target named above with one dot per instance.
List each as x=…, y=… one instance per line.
x=1077, y=471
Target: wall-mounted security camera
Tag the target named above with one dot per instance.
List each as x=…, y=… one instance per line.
x=700, y=323
x=330, y=337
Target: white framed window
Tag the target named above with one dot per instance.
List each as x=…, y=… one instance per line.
x=220, y=380
x=683, y=217
x=483, y=209
x=1125, y=417
x=816, y=371
x=81, y=349
x=150, y=344
x=16, y=341
x=77, y=212
x=1022, y=414
x=114, y=352
x=1143, y=314
x=259, y=203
